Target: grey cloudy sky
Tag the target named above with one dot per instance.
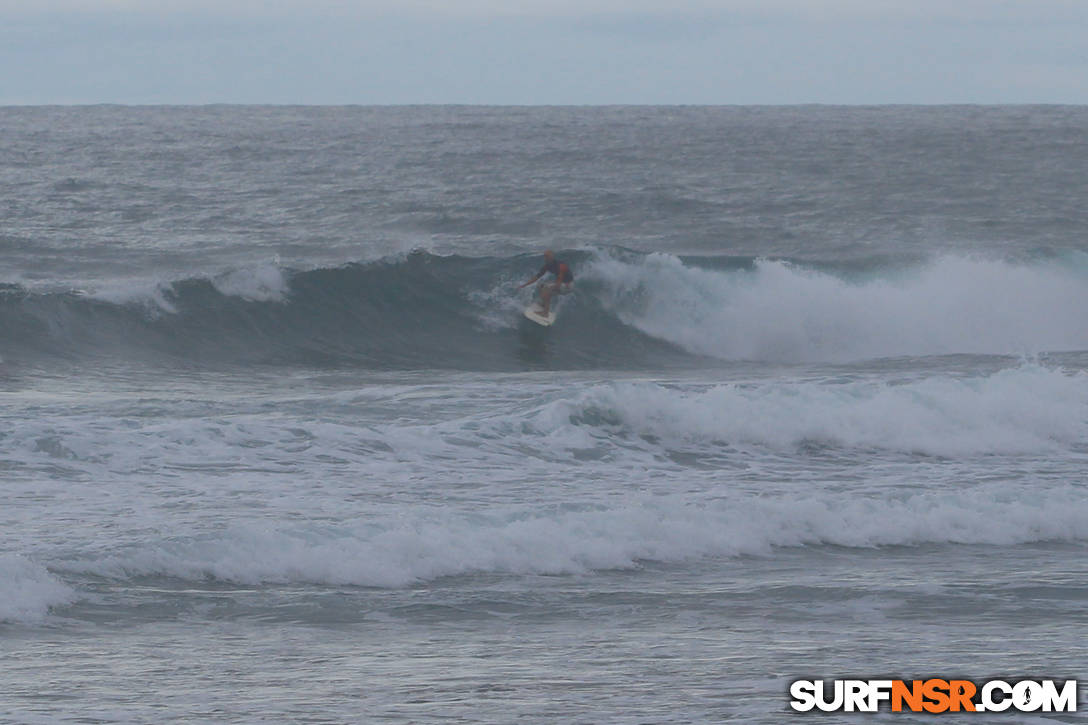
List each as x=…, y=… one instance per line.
x=544, y=51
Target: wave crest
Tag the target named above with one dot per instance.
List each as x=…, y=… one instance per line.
x=29, y=590
x=781, y=311
x=629, y=311
x=413, y=548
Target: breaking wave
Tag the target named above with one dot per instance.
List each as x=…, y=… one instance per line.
x=411, y=548
x=29, y=590
x=630, y=310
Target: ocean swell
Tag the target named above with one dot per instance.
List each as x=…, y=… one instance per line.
x=629, y=311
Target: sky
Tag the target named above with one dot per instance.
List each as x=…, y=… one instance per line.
x=543, y=52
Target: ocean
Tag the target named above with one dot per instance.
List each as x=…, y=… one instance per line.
x=276, y=444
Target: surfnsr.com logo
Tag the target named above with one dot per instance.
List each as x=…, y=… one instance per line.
x=933, y=695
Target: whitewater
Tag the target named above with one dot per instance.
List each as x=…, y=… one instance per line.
x=276, y=444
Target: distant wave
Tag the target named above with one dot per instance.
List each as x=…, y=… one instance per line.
x=630, y=310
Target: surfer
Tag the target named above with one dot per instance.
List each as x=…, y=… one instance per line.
x=563, y=284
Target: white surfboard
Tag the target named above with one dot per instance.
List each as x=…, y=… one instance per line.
x=533, y=313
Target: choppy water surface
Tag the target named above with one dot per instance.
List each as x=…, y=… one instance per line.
x=276, y=444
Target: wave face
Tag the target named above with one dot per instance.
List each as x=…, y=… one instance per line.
x=630, y=311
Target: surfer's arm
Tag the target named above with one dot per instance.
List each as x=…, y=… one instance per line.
x=536, y=276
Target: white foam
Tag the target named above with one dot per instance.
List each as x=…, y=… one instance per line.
x=785, y=313
x=151, y=295
x=555, y=479
x=1029, y=409
x=263, y=283
x=260, y=283
x=500, y=306
x=421, y=545
x=28, y=591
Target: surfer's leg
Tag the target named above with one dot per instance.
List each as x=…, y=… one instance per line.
x=538, y=295
x=545, y=299
x=551, y=290
x=546, y=294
